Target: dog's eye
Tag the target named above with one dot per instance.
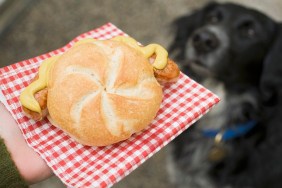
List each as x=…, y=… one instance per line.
x=247, y=29
x=214, y=17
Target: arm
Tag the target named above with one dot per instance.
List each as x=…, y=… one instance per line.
x=30, y=165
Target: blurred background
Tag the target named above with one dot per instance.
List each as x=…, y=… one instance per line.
x=32, y=27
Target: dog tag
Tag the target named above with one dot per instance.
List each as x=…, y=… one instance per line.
x=218, y=152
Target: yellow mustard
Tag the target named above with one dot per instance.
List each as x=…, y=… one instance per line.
x=161, y=54
x=27, y=96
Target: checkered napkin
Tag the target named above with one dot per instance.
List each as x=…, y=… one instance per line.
x=83, y=166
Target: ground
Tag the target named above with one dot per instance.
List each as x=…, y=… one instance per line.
x=47, y=25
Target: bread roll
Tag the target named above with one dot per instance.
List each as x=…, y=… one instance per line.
x=102, y=92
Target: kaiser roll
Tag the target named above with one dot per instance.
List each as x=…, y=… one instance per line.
x=102, y=92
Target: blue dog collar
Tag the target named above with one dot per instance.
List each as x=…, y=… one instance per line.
x=234, y=132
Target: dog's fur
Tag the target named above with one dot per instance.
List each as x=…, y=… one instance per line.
x=237, y=53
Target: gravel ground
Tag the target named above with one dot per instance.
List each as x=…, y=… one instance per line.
x=47, y=25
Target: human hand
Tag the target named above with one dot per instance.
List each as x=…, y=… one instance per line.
x=30, y=165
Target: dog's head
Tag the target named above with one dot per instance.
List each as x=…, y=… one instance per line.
x=240, y=47
x=226, y=41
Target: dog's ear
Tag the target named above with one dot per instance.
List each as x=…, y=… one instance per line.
x=271, y=79
x=185, y=26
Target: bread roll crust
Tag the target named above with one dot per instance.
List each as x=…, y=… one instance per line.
x=101, y=93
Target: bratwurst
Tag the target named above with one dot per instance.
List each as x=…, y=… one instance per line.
x=101, y=92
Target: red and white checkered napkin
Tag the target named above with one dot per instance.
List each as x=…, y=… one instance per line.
x=82, y=166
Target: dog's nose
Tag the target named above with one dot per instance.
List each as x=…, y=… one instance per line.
x=205, y=41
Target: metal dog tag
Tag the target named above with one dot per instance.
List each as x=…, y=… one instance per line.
x=218, y=152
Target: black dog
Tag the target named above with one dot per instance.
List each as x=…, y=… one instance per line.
x=237, y=53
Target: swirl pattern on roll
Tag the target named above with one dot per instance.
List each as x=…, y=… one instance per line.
x=102, y=92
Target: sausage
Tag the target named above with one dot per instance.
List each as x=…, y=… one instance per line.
x=164, y=76
x=167, y=75
x=41, y=98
